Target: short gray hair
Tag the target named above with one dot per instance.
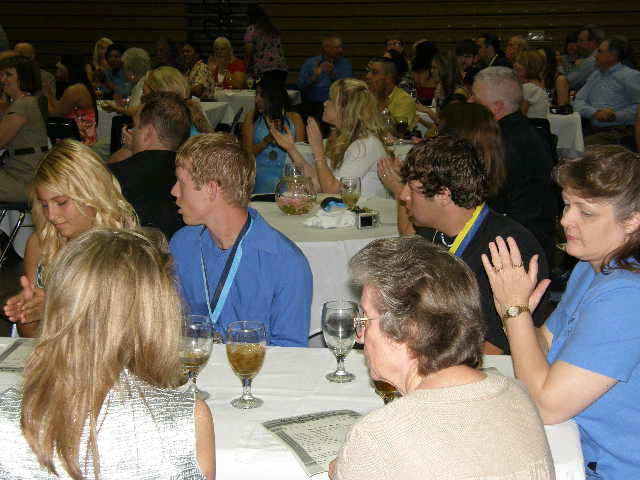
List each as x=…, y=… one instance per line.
x=136, y=61
x=427, y=298
x=503, y=85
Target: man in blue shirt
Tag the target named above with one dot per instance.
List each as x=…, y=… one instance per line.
x=231, y=265
x=318, y=73
x=610, y=97
x=588, y=40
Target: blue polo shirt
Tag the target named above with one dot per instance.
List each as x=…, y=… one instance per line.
x=596, y=327
x=273, y=283
x=318, y=91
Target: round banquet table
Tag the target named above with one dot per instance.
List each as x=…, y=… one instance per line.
x=329, y=251
x=245, y=99
x=292, y=383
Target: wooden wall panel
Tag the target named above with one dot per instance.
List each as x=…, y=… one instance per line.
x=364, y=24
x=65, y=26
x=73, y=26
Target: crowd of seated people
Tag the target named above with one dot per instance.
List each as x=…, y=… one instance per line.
x=483, y=187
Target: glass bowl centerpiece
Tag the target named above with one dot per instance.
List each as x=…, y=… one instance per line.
x=295, y=195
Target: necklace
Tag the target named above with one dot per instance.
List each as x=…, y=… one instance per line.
x=444, y=242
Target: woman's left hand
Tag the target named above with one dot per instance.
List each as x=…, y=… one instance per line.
x=510, y=282
x=315, y=137
x=389, y=173
x=285, y=140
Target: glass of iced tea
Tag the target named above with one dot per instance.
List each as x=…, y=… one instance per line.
x=195, y=348
x=246, y=342
x=350, y=190
x=387, y=392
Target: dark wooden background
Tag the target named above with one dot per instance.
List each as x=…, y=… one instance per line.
x=57, y=26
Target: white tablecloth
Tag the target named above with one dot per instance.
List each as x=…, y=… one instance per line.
x=329, y=251
x=216, y=112
x=246, y=99
x=292, y=383
x=568, y=128
x=104, y=124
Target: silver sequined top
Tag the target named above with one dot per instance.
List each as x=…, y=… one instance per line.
x=144, y=432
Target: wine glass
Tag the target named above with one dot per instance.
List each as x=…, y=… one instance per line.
x=350, y=190
x=387, y=392
x=99, y=91
x=402, y=127
x=339, y=335
x=246, y=342
x=250, y=82
x=195, y=349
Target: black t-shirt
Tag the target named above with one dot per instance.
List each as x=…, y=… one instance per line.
x=527, y=195
x=495, y=225
x=146, y=179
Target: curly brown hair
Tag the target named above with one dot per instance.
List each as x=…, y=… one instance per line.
x=447, y=162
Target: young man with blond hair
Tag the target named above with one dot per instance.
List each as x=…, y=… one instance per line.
x=231, y=265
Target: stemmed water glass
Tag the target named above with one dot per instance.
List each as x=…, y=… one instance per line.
x=246, y=342
x=350, y=190
x=339, y=335
x=195, y=349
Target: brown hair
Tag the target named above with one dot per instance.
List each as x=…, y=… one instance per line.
x=219, y=158
x=427, y=298
x=111, y=304
x=475, y=122
x=610, y=173
x=169, y=115
x=28, y=72
x=451, y=162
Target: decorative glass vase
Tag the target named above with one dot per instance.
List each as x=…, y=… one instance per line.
x=295, y=195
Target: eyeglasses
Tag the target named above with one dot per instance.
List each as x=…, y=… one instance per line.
x=360, y=322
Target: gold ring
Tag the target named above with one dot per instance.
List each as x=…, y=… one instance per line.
x=518, y=266
x=497, y=268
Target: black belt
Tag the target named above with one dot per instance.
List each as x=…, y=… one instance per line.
x=28, y=151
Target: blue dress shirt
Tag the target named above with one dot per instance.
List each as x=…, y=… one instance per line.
x=273, y=283
x=579, y=74
x=318, y=91
x=618, y=88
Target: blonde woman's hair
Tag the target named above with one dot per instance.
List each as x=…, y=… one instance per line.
x=72, y=169
x=96, y=60
x=169, y=79
x=359, y=117
x=219, y=158
x=111, y=304
x=224, y=41
x=533, y=63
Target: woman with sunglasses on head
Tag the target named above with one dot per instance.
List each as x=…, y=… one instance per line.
x=354, y=145
x=423, y=332
x=584, y=362
x=71, y=193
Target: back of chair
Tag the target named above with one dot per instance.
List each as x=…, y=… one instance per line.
x=235, y=125
x=59, y=128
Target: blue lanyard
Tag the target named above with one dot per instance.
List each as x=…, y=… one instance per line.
x=463, y=239
x=216, y=303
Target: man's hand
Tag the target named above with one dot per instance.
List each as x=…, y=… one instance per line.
x=606, y=115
